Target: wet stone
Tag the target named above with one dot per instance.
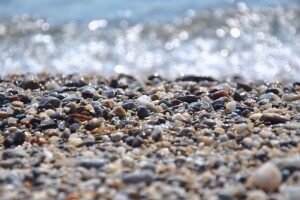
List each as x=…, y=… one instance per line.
x=49, y=102
x=111, y=93
x=87, y=92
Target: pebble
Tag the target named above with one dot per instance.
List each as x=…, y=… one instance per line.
x=115, y=137
x=87, y=92
x=218, y=94
x=128, y=105
x=18, y=104
x=273, y=117
x=177, y=116
x=231, y=105
x=14, y=139
x=146, y=101
x=119, y=111
x=188, y=98
x=29, y=84
x=49, y=102
x=267, y=177
x=146, y=176
x=93, y=123
x=257, y=195
x=91, y=162
x=142, y=112
x=290, y=97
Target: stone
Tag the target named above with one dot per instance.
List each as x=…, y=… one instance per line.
x=29, y=84
x=231, y=105
x=115, y=137
x=119, y=111
x=188, y=98
x=142, y=112
x=91, y=162
x=267, y=177
x=14, y=139
x=87, y=92
x=257, y=195
x=146, y=176
x=49, y=102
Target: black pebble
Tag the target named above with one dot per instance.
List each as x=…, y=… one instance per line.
x=188, y=98
x=29, y=84
x=142, y=112
x=128, y=105
x=14, y=139
x=49, y=102
x=88, y=92
x=237, y=97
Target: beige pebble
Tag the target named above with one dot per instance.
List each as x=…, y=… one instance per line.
x=290, y=97
x=12, y=120
x=240, y=128
x=18, y=104
x=231, y=105
x=51, y=85
x=267, y=177
x=255, y=116
x=257, y=195
x=177, y=116
x=49, y=112
x=75, y=141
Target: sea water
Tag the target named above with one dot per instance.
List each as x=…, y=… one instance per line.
x=257, y=40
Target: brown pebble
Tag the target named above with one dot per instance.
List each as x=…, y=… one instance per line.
x=119, y=111
x=219, y=94
x=4, y=115
x=272, y=117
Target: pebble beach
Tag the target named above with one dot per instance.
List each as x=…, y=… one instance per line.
x=90, y=137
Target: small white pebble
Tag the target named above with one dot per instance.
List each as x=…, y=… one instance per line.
x=231, y=105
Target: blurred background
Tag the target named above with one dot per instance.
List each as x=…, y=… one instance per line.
x=258, y=40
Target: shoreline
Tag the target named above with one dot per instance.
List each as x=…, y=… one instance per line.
x=85, y=137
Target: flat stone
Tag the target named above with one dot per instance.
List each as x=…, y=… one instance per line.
x=91, y=162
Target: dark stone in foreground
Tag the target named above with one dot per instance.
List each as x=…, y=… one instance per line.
x=91, y=162
x=14, y=139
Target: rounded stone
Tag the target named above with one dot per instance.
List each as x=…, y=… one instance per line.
x=231, y=105
x=267, y=177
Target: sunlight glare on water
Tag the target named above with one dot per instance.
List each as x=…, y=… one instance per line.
x=255, y=43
